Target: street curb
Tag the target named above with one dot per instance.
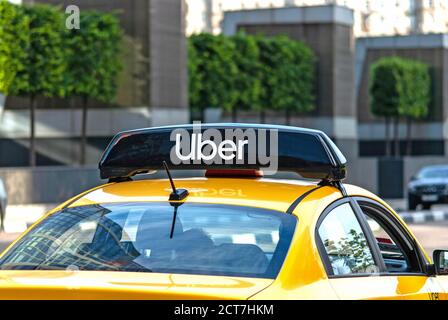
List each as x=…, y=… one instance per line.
x=424, y=216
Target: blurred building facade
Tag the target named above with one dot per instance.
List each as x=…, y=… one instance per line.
x=371, y=17
x=342, y=99
x=154, y=56
x=152, y=90
x=157, y=89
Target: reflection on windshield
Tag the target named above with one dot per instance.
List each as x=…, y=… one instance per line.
x=434, y=173
x=207, y=239
x=350, y=253
x=345, y=243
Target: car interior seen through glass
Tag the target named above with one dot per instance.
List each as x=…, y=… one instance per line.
x=207, y=239
x=398, y=255
x=345, y=244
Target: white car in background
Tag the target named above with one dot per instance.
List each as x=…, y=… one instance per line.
x=3, y=202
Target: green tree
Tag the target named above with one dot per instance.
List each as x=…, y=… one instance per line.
x=352, y=252
x=399, y=87
x=416, y=91
x=93, y=63
x=247, y=81
x=384, y=92
x=213, y=61
x=296, y=77
x=288, y=76
x=268, y=63
x=194, y=77
x=251, y=73
x=44, y=66
x=14, y=41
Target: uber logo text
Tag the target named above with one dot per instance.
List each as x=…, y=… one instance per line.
x=236, y=146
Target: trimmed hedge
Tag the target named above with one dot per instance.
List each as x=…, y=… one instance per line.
x=93, y=63
x=39, y=56
x=248, y=82
x=400, y=87
x=212, y=71
x=288, y=75
x=44, y=64
x=94, y=56
x=247, y=72
x=14, y=41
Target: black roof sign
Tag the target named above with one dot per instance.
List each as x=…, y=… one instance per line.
x=270, y=148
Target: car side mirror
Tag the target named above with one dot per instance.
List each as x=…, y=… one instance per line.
x=440, y=258
x=413, y=178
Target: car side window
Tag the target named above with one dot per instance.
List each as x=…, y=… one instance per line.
x=397, y=254
x=346, y=247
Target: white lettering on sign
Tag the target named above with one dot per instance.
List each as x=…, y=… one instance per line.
x=230, y=146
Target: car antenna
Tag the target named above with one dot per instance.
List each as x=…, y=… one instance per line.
x=175, y=196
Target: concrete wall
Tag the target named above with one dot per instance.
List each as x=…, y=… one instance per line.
x=328, y=30
x=364, y=171
x=55, y=185
x=168, y=58
x=58, y=133
x=47, y=185
x=59, y=123
x=432, y=49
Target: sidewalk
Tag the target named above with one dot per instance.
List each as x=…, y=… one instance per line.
x=20, y=217
x=437, y=213
x=6, y=239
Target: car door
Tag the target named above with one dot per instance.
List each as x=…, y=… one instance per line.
x=353, y=265
x=441, y=263
x=402, y=259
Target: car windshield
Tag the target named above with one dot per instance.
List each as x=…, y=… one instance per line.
x=148, y=237
x=434, y=173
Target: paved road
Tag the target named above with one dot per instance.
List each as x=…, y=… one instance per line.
x=6, y=239
x=432, y=235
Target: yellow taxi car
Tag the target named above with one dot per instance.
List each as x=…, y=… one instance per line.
x=229, y=234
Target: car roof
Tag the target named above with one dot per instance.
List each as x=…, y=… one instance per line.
x=261, y=192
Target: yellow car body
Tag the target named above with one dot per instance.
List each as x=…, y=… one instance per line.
x=303, y=274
